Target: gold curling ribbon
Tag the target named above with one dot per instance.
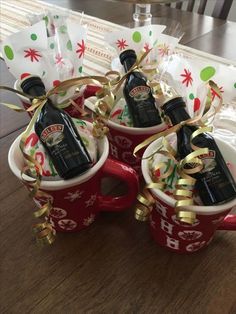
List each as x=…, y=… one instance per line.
x=45, y=234
x=82, y=112
x=143, y=210
x=99, y=128
x=210, y=110
x=186, y=217
x=144, y=205
x=145, y=200
x=173, y=129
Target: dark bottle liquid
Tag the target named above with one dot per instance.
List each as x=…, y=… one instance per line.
x=138, y=95
x=58, y=134
x=215, y=183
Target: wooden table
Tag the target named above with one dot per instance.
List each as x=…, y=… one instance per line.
x=114, y=266
x=217, y=41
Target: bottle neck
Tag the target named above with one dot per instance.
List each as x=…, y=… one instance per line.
x=39, y=90
x=177, y=115
x=128, y=63
x=36, y=90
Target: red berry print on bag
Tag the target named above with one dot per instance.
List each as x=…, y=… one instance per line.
x=23, y=75
x=56, y=83
x=197, y=104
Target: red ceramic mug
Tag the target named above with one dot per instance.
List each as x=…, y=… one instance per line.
x=179, y=237
x=124, y=139
x=78, y=201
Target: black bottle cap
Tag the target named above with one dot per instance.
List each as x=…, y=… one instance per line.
x=129, y=53
x=31, y=81
x=172, y=104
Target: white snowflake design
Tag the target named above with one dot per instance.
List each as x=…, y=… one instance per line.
x=67, y=224
x=72, y=196
x=58, y=213
x=90, y=219
x=195, y=246
x=190, y=235
x=91, y=200
x=178, y=222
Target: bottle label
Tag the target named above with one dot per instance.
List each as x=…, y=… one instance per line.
x=209, y=161
x=52, y=135
x=140, y=93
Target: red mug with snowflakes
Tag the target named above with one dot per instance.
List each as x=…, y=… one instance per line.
x=72, y=110
x=124, y=139
x=77, y=202
x=180, y=237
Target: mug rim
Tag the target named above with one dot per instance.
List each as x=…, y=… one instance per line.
x=60, y=184
x=128, y=129
x=203, y=210
x=137, y=131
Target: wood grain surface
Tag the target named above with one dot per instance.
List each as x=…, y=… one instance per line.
x=114, y=266
x=218, y=42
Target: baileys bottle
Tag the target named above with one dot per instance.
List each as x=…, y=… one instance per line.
x=138, y=95
x=214, y=183
x=58, y=134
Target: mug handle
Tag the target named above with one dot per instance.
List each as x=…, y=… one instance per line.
x=229, y=223
x=119, y=170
